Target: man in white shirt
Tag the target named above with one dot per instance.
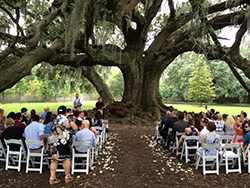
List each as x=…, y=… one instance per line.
x=77, y=102
x=203, y=124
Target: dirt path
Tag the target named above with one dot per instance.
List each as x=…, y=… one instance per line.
x=131, y=158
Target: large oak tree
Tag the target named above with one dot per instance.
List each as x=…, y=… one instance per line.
x=64, y=33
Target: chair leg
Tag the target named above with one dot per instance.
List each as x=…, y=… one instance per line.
x=226, y=159
x=19, y=162
x=204, y=166
x=27, y=162
x=7, y=161
x=198, y=162
x=217, y=164
x=41, y=164
x=73, y=164
x=239, y=164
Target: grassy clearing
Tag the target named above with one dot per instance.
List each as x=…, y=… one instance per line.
x=227, y=109
x=16, y=107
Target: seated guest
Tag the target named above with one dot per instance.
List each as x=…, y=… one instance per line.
x=98, y=119
x=2, y=122
x=12, y=132
x=1, y=112
x=230, y=126
x=189, y=131
x=18, y=119
x=32, y=113
x=246, y=139
x=34, y=132
x=204, y=130
x=164, y=120
x=197, y=123
x=179, y=126
x=185, y=115
x=79, y=118
x=69, y=112
x=46, y=109
x=189, y=116
x=91, y=128
x=11, y=115
x=85, y=114
x=47, y=122
x=24, y=118
x=169, y=124
x=220, y=118
x=100, y=106
x=219, y=125
x=209, y=138
x=84, y=135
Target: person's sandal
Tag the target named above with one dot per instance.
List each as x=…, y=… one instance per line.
x=54, y=181
x=68, y=179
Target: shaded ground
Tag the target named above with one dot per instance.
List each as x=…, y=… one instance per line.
x=131, y=158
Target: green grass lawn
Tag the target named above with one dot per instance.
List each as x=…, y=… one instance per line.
x=16, y=107
x=227, y=109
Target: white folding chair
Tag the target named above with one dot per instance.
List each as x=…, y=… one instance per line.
x=16, y=156
x=99, y=133
x=33, y=155
x=86, y=156
x=157, y=134
x=186, y=148
x=213, y=158
x=2, y=152
x=231, y=152
x=226, y=139
x=247, y=158
x=106, y=126
x=177, y=137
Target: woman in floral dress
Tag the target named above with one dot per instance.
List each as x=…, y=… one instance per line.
x=59, y=142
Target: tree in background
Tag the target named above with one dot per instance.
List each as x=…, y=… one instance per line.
x=201, y=87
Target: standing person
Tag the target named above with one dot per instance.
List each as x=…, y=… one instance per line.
x=46, y=109
x=35, y=132
x=100, y=106
x=59, y=142
x=77, y=102
x=24, y=113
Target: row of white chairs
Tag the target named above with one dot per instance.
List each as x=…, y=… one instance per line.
x=21, y=156
x=227, y=152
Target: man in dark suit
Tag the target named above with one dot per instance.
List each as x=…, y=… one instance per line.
x=169, y=124
x=178, y=126
x=12, y=132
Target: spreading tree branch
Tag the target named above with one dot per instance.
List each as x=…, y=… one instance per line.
x=172, y=9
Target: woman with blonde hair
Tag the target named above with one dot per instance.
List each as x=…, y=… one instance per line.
x=189, y=116
x=220, y=118
x=230, y=126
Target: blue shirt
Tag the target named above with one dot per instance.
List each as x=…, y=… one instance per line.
x=47, y=128
x=33, y=132
x=247, y=138
x=43, y=115
x=84, y=135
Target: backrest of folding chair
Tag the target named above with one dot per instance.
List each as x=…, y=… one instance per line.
x=13, y=141
x=206, y=146
x=34, y=142
x=233, y=145
x=80, y=143
x=178, y=135
x=227, y=138
x=192, y=138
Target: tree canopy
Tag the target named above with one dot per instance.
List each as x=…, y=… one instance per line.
x=151, y=34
